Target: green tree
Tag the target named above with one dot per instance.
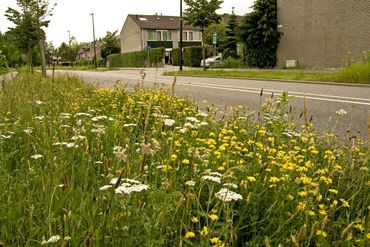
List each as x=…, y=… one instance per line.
x=109, y=45
x=69, y=52
x=202, y=13
x=260, y=35
x=220, y=30
x=29, y=23
x=230, y=47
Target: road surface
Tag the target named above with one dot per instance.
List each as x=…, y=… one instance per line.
x=322, y=100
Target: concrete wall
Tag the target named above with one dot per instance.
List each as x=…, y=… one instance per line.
x=131, y=37
x=321, y=33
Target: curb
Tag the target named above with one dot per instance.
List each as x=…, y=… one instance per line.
x=281, y=80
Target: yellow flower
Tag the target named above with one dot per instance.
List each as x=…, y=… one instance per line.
x=359, y=227
x=185, y=161
x=251, y=179
x=213, y=217
x=215, y=240
x=194, y=219
x=290, y=197
x=333, y=191
x=190, y=235
x=310, y=213
x=204, y=231
x=173, y=157
x=368, y=235
x=321, y=233
x=345, y=203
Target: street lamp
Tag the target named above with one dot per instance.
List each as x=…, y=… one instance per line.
x=180, y=45
x=69, y=37
x=95, y=62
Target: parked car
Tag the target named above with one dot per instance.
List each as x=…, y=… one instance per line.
x=211, y=60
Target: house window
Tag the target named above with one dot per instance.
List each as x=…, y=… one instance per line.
x=151, y=35
x=163, y=35
x=187, y=36
x=191, y=38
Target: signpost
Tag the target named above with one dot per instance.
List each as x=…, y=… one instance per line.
x=148, y=48
x=214, y=42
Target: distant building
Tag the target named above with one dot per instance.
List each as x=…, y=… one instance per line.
x=141, y=31
x=320, y=33
x=87, y=51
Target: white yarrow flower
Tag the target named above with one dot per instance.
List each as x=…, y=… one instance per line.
x=212, y=178
x=51, y=240
x=341, y=112
x=226, y=195
x=169, y=122
x=105, y=187
x=230, y=185
x=190, y=183
x=192, y=119
x=36, y=156
x=39, y=102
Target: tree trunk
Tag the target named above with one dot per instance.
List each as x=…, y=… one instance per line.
x=43, y=59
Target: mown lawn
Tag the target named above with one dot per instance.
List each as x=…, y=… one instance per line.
x=81, y=166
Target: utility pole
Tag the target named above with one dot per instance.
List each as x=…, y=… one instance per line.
x=95, y=62
x=180, y=45
x=69, y=37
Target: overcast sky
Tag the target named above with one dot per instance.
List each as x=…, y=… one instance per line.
x=109, y=15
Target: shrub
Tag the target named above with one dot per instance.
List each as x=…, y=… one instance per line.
x=175, y=56
x=193, y=56
x=229, y=63
x=137, y=58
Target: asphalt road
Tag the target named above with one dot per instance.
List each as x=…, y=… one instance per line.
x=322, y=100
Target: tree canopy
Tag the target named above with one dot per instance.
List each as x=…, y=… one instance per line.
x=230, y=47
x=109, y=44
x=260, y=35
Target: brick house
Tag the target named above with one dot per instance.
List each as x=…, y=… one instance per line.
x=321, y=34
x=140, y=31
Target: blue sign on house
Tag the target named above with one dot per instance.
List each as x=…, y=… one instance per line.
x=148, y=48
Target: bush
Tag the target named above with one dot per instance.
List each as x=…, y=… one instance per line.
x=193, y=56
x=229, y=63
x=137, y=58
x=175, y=56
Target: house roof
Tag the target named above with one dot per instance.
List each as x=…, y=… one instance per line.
x=159, y=22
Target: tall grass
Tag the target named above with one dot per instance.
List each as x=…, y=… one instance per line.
x=105, y=167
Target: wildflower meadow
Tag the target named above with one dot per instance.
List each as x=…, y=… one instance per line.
x=81, y=166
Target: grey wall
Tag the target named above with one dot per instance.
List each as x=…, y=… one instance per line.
x=321, y=33
x=130, y=37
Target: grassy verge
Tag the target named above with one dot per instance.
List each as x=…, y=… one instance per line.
x=101, y=69
x=107, y=167
x=3, y=71
x=359, y=73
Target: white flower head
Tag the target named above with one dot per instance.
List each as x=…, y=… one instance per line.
x=39, y=102
x=190, y=183
x=98, y=118
x=230, y=185
x=226, y=195
x=192, y=119
x=51, y=240
x=129, y=125
x=36, y=156
x=212, y=178
x=169, y=122
x=120, y=153
x=341, y=112
x=127, y=188
x=105, y=187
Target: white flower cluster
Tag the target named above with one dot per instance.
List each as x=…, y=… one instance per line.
x=341, y=112
x=212, y=178
x=169, y=122
x=190, y=183
x=51, y=240
x=98, y=129
x=226, y=195
x=64, y=115
x=120, y=153
x=82, y=114
x=128, y=186
x=36, y=156
x=98, y=118
x=66, y=144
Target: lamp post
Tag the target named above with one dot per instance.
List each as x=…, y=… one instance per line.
x=69, y=37
x=180, y=45
x=95, y=62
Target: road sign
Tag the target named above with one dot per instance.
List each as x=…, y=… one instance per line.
x=148, y=47
x=214, y=39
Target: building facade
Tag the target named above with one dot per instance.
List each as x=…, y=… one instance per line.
x=322, y=34
x=142, y=31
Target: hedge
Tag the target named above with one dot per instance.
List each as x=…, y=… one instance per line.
x=193, y=56
x=175, y=56
x=137, y=58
